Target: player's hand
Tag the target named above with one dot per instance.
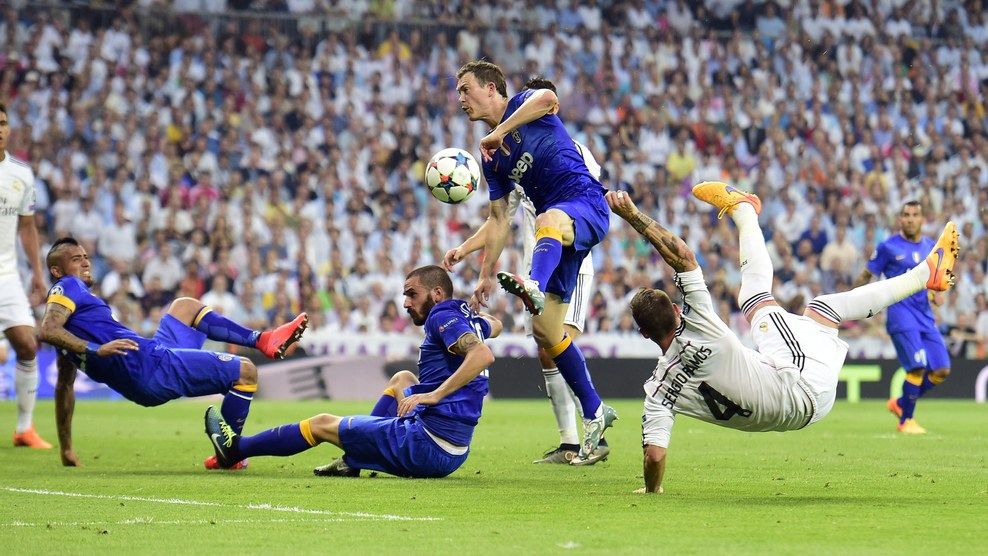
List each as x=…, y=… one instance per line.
x=117, y=347
x=643, y=491
x=937, y=298
x=408, y=404
x=452, y=257
x=38, y=291
x=621, y=204
x=69, y=459
x=482, y=293
x=490, y=144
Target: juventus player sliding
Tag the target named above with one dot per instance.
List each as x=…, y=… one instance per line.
x=790, y=380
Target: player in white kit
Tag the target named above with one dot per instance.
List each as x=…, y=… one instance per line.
x=17, y=220
x=564, y=402
x=789, y=380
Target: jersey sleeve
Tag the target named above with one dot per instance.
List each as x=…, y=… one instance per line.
x=66, y=292
x=30, y=196
x=496, y=186
x=449, y=325
x=699, y=313
x=879, y=260
x=589, y=160
x=657, y=420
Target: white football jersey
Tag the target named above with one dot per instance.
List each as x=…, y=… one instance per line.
x=517, y=199
x=16, y=200
x=708, y=374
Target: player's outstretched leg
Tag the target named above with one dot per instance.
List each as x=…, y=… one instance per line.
x=230, y=447
x=527, y=290
x=272, y=343
x=935, y=273
x=755, y=263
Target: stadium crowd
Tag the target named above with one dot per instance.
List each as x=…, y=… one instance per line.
x=270, y=163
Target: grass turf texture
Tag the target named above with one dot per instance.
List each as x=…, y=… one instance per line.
x=847, y=484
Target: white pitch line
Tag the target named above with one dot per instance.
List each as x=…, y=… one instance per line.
x=152, y=521
x=263, y=507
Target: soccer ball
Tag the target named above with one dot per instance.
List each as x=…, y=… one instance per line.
x=452, y=175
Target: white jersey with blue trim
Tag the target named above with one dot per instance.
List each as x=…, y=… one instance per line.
x=17, y=199
x=517, y=199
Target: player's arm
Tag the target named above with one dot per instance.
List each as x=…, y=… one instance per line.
x=657, y=423
x=53, y=332
x=64, y=409
x=476, y=358
x=654, y=467
x=28, y=233
x=673, y=249
x=538, y=104
x=496, y=326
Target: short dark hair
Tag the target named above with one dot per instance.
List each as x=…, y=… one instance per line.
x=653, y=312
x=3, y=108
x=485, y=72
x=539, y=82
x=912, y=203
x=433, y=276
x=51, y=259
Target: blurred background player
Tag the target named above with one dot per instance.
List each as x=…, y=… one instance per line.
x=529, y=147
x=563, y=400
x=17, y=219
x=152, y=371
x=789, y=381
x=420, y=427
x=910, y=322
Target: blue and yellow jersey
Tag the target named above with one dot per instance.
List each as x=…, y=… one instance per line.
x=543, y=159
x=455, y=417
x=92, y=320
x=893, y=257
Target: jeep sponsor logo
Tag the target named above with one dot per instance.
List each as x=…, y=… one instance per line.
x=524, y=163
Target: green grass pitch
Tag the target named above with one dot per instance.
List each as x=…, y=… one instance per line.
x=846, y=485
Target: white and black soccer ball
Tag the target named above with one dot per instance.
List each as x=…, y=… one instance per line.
x=452, y=175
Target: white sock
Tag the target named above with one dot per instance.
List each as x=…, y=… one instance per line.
x=26, y=387
x=756, y=266
x=866, y=301
x=563, y=406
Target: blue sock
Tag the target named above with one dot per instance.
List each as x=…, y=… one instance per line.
x=286, y=440
x=386, y=406
x=545, y=256
x=911, y=391
x=573, y=367
x=221, y=329
x=929, y=381
x=236, y=406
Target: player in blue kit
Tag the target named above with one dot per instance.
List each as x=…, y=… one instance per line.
x=420, y=427
x=910, y=322
x=528, y=146
x=146, y=371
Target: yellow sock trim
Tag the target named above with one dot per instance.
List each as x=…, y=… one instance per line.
x=245, y=387
x=306, y=428
x=937, y=379
x=390, y=392
x=550, y=232
x=914, y=378
x=202, y=312
x=557, y=349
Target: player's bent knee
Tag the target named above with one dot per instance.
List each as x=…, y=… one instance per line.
x=403, y=379
x=248, y=371
x=324, y=427
x=185, y=309
x=939, y=374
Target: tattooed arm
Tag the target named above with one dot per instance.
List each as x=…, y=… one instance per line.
x=673, y=249
x=476, y=358
x=64, y=409
x=53, y=332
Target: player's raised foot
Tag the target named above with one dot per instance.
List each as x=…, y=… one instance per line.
x=213, y=464
x=336, y=468
x=527, y=290
x=910, y=426
x=274, y=343
x=725, y=197
x=941, y=259
x=894, y=407
x=593, y=431
x=223, y=438
x=30, y=439
x=564, y=453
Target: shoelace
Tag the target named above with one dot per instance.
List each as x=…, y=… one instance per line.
x=228, y=434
